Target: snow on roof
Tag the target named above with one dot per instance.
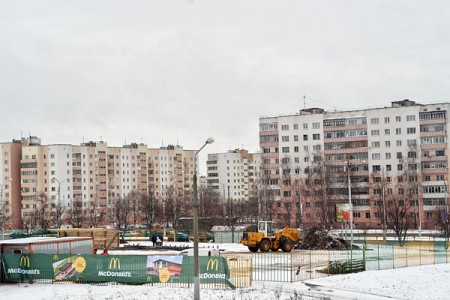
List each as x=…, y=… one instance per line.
x=42, y=239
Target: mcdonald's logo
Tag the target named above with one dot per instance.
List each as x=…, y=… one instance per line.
x=212, y=263
x=24, y=261
x=114, y=263
x=55, y=257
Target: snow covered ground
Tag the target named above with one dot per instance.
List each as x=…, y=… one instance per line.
x=424, y=282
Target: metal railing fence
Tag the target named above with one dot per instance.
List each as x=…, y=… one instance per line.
x=242, y=268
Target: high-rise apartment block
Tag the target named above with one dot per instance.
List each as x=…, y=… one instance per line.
x=388, y=153
x=90, y=175
x=233, y=174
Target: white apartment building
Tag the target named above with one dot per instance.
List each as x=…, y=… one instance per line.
x=233, y=174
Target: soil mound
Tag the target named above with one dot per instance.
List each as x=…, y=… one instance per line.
x=319, y=239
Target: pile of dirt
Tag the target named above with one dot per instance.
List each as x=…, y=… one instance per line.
x=319, y=239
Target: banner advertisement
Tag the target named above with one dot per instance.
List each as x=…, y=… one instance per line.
x=343, y=212
x=116, y=268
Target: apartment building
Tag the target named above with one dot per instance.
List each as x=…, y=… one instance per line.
x=233, y=174
x=86, y=176
x=308, y=158
x=10, y=183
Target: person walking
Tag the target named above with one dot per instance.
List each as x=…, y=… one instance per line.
x=154, y=238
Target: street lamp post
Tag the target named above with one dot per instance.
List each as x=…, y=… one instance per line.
x=59, y=197
x=2, y=208
x=195, y=225
x=350, y=198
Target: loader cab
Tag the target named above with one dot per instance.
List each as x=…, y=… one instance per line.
x=267, y=227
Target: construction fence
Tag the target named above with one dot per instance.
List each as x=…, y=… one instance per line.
x=231, y=270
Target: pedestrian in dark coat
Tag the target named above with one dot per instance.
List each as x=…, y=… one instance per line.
x=154, y=238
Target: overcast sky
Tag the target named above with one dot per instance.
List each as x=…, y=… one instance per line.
x=177, y=72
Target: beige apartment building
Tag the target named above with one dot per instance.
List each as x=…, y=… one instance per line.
x=387, y=153
x=87, y=176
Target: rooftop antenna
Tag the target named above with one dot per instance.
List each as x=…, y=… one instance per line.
x=304, y=102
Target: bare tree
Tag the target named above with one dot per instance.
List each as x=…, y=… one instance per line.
x=43, y=212
x=95, y=216
x=318, y=187
x=75, y=217
x=173, y=206
x=267, y=193
x=123, y=212
x=134, y=197
x=58, y=211
x=150, y=208
x=398, y=213
x=232, y=214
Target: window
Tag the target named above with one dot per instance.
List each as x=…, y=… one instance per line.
x=387, y=132
x=352, y=122
x=410, y=118
x=305, y=148
x=316, y=147
x=375, y=132
x=296, y=149
x=295, y=138
x=375, y=144
x=398, y=131
x=305, y=137
x=411, y=130
x=284, y=127
x=316, y=125
x=285, y=138
x=429, y=215
x=387, y=144
x=399, y=168
x=285, y=149
x=374, y=121
x=376, y=156
x=306, y=159
x=388, y=155
x=398, y=143
x=316, y=136
x=399, y=155
x=305, y=125
x=398, y=119
x=411, y=142
x=376, y=168
x=295, y=126
x=388, y=168
x=367, y=215
x=386, y=120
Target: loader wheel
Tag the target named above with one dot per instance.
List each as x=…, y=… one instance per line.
x=264, y=246
x=253, y=249
x=287, y=246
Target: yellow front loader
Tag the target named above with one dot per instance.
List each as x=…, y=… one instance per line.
x=265, y=238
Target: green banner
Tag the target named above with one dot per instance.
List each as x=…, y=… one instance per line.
x=116, y=268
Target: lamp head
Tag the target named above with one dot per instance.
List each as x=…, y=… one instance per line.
x=210, y=140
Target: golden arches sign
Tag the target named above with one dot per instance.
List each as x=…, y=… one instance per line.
x=24, y=261
x=212, y=263
x=114, y=263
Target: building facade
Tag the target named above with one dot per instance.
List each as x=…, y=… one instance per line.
x=307, y=160
x=234, y=174
x=86, y=177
